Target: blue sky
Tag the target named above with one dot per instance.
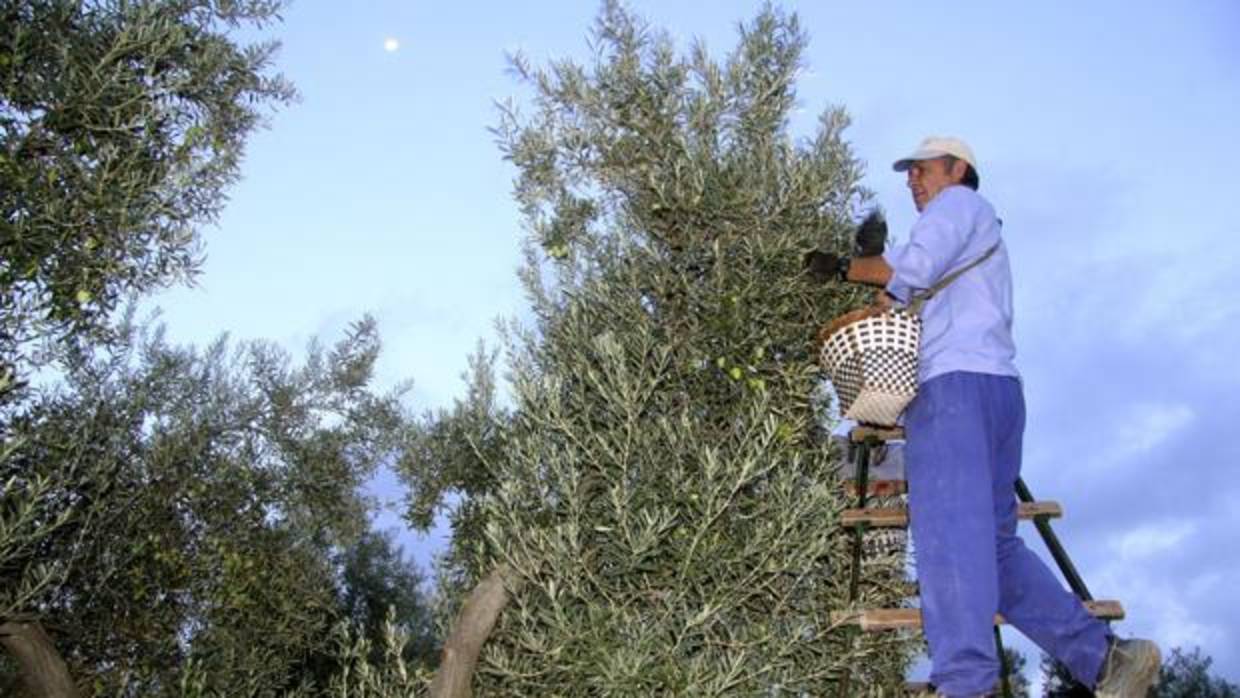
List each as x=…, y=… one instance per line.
x=1106, y=138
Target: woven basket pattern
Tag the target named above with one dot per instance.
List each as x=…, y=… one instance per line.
x=872, y=363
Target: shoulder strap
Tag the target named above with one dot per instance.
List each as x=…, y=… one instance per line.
x=921, y=298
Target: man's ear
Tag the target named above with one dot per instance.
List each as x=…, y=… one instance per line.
x=959, y=169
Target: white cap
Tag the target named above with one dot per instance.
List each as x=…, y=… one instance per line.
x=936, y=147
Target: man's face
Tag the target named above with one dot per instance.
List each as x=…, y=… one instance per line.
x=926, y=178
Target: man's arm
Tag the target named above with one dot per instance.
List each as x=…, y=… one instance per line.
x=871, y=271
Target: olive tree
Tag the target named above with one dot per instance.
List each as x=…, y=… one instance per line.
x=214, y=514
x=658, y=505
x=121, y=126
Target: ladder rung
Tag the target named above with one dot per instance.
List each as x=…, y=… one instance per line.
x=910, y=618
x=878, y=488
x=897, y=517
x=861, y=433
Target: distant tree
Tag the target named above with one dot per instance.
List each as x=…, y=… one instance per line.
x=661, y=492
x=1187, y=675
x=380, y=587
x=1058, y=681
x=1182, y=675
x=121, y=125
x=1017, y=681
x=168, y=509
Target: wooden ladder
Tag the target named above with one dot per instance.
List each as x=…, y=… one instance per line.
x=863, y=442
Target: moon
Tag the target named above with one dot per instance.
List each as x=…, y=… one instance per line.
x=390, y=44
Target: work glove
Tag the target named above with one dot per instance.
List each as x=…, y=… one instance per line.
x=871, y=236
x=826, y=266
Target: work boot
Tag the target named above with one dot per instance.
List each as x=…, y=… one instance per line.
x=1129, y=670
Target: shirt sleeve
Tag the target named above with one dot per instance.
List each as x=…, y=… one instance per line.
x=936, y=241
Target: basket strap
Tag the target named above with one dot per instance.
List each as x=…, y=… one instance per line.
x=920, y=298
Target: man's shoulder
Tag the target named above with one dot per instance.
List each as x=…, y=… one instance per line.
x=959, y=195
x=959, y=200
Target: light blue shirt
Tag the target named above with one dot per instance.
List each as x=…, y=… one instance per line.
x=968, y=325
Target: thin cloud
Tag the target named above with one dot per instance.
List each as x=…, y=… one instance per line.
x=1144, y=427
x=1152, y=539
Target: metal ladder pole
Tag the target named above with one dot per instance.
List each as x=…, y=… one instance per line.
x=1055, y=547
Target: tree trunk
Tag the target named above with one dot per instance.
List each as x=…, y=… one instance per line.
x=473, y=626
x=43, y=671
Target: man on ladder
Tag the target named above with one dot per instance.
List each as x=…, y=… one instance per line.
x=963, y=449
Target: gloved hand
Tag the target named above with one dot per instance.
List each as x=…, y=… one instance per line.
x=871, y=235
x=826, y=266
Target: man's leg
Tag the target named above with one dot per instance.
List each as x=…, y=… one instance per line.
x=952, y=518
x=1031, y=598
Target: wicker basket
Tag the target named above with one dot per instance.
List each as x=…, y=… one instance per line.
x=870, y=356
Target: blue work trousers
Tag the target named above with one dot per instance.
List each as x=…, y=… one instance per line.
x=962, y=456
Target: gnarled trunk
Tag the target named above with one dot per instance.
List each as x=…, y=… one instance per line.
x=473, y=626
x=43, y=671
